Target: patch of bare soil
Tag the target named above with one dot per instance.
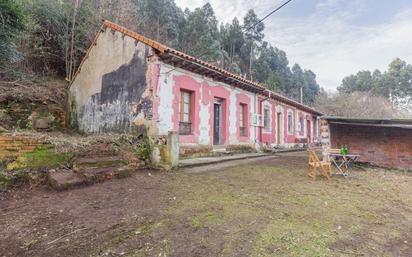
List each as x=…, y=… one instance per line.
x=39, y=222
x=266, y=207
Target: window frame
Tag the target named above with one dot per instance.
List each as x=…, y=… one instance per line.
x=243, y=109
x=290, y=123
x=185, y=127
x=267, y=120
x=302, y=125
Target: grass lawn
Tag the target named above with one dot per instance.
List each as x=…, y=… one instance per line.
x=264, y=208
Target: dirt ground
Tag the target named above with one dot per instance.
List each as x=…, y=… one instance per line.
x=265, y=207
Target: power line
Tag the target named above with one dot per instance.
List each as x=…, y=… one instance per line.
x=272, y=12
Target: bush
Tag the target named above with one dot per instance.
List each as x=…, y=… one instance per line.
x=144, y=150
x=8, y=178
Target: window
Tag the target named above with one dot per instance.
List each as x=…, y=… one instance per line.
x=266, y=119
x=185, y=125
x=315, y=127
x=242, y=120
x=290, y=123
x=302, y=125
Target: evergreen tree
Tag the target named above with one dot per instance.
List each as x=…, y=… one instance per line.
x=59, y=33
x=200, y=35
x=253, y=36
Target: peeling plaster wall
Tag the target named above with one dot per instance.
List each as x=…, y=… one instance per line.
x=122, y=82
x=171, y=80
x=110, y=91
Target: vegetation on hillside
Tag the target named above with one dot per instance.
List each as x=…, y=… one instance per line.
x=374, y=94
x=394, y=84
x=51, y=36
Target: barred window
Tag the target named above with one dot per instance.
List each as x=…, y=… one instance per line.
x=185, y=125
x=266, y=119
x=242, y=120
x=290, y=123
x=302, y=125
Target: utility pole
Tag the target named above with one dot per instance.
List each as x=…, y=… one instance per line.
x=250, y=61
x=301, y=95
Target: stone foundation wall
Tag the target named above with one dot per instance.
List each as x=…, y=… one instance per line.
x=191, y=151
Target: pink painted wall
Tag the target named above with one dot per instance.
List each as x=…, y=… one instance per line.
x=222, y=93
x=243, y=99
x=203, y=94
x=189, y=84
x=289, y=139
x=269, y=137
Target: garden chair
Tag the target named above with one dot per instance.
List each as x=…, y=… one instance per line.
x=314, y=164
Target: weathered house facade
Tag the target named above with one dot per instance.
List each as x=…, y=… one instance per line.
x=128, y=79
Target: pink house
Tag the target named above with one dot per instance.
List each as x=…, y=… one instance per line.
x=126, y=79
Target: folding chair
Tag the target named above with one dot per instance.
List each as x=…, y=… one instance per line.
x=314, y=164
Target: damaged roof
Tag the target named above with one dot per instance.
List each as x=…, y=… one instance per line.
x=184, y=61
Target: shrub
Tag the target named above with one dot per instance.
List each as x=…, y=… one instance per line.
x=144, y=150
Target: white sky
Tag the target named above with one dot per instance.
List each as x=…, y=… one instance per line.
x=334, y=38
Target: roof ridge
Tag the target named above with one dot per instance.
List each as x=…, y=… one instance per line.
x=163, y=48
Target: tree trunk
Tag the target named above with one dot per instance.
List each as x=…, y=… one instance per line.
x=71, y=61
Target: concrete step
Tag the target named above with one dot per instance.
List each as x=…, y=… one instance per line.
x=90, y=169
x=65, y=179
x=95, y=175
x=98, y=162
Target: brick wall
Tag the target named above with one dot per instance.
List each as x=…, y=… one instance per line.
x=381, y=146
x=17, y=145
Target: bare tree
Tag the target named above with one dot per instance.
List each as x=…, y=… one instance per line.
x=71, y=58
x=357, y=104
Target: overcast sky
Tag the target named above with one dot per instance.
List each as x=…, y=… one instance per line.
x=334, y=38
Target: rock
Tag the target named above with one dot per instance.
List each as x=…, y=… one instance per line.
x=64, y=179
x=42, y=123
x=95, y=175
x=98, y=162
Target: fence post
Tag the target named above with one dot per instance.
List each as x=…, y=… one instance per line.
x=173, y=149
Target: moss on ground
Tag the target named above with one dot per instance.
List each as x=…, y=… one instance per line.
x=25, y=167
x=39, y=159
